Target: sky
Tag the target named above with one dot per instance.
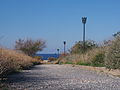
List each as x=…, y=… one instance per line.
x=56, y=21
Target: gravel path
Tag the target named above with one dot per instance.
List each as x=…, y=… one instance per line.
x=62, y=77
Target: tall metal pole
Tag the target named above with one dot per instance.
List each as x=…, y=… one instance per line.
x=64, y=47
x=84, y=37
x=84, y=22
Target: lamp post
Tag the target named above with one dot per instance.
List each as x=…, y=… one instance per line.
x=64, y=47
x=58, y=52
x=84, y=22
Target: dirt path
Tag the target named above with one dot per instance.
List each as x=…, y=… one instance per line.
x=62, y=77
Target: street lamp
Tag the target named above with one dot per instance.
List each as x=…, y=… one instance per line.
x=64, y=47
x=58, y=52
x=84, y=22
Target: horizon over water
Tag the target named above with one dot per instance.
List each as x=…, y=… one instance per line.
x=46, y=56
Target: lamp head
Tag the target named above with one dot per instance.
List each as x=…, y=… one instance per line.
x=58, y=49
x=84, y=19
x=64, y=42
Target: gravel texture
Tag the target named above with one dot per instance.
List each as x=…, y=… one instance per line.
x=62, y=77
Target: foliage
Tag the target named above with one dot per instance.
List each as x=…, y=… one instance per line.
x=107, y=43
x=29, y=46
x=11, y=61
x=36, y=61
x=78, y=47
x=107, y=55
x=112, y=60
x=38, y=57
x=93, y=57
x=82, y=63
x=51, y=59
x=98, y=59
x=117, y=34
x=69, y=62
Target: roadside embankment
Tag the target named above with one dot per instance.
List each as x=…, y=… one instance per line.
x=12, y=61
x=114, y=72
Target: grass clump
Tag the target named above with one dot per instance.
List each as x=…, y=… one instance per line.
x=82, y=63
x=69, y=63
x=98, y=59
x=12, y=61
x=94, y=57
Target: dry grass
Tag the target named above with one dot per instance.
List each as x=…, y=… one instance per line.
x=11, y=60
x=112, y=60
x=88, y=57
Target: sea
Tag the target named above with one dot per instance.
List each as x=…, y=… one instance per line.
x=46, y=56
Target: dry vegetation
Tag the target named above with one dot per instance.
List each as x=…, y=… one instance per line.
x=107, y=55
x=92, y=57
x=11, y=61
x=112, y=60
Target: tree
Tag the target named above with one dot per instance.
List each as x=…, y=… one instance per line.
x=78, y=47
x=29, y=46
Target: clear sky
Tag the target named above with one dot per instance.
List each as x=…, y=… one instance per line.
x=56, y=21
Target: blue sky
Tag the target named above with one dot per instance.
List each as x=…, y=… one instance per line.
x=56, y=21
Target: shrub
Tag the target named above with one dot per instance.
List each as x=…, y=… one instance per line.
x=51, y=59
x=11, y=61
x=29, y=46
x=78, y=47
x=116, y=34
x=94, y=57
x=98, y=59
x=38, y=57
x=36, y=61
x=112, y=60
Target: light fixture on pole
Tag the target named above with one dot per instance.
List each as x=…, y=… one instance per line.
x=64, y=47
x=58, y=52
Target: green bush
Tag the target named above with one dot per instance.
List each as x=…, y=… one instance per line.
x=98, y=59
x=112, y=60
